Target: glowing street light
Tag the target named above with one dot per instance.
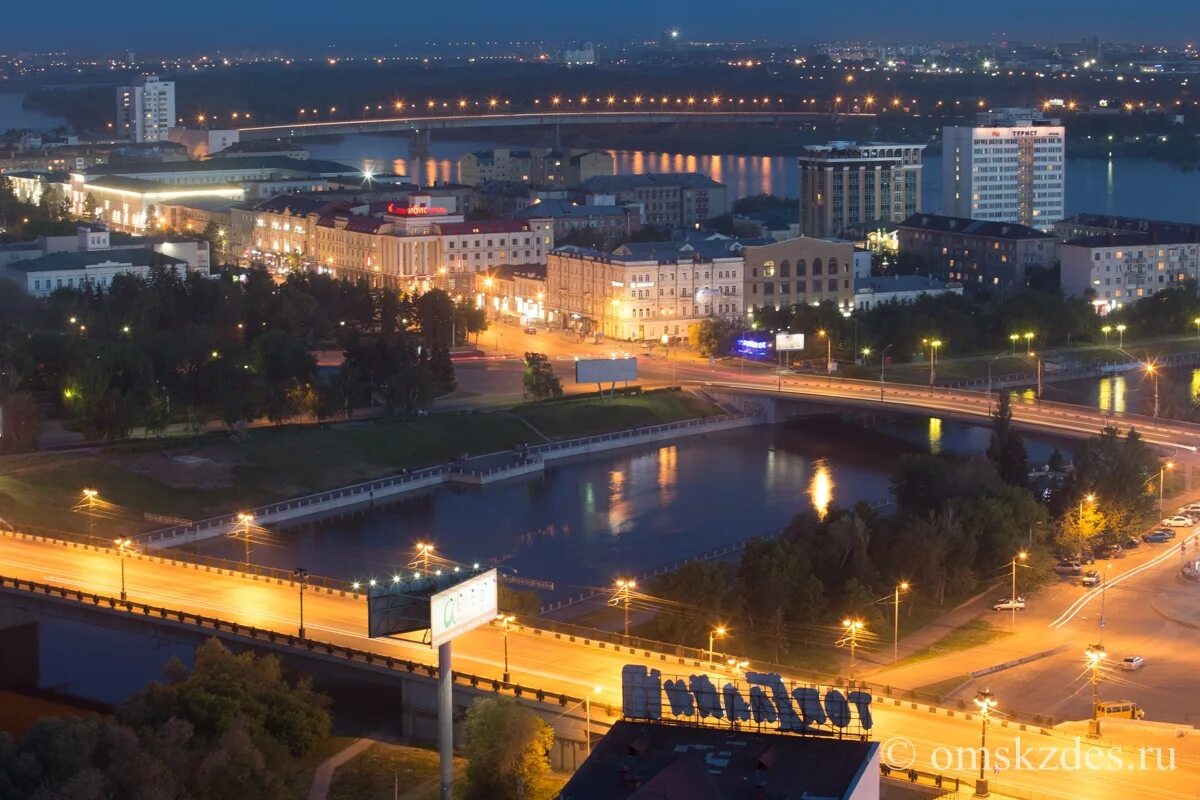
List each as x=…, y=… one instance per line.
x=123, y=546
x=850, y=632
x=1153, y=371
x=245, y=521
x=423, y=551
x=718, y=632
x=89, y=497
x=901, y=587
x=1121, y=335
x=622, y=595
x=985, y=701
x=301, y=574
x=1107, y=329
x=1012, y=337
x=1095, y=655
x=1012, y=599
x=1028, y=335
x=505, y=621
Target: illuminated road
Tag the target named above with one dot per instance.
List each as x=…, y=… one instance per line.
x=536, y=661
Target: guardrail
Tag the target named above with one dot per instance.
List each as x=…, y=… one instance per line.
x=1076, y=370
x=941, y=785
x=314, y=646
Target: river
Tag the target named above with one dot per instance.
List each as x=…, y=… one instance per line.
x=13, y=116
x=591, y=520
x=1125, y=186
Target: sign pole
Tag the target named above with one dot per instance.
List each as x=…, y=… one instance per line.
x=446, y=721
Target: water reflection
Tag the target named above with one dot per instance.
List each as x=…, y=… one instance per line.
x=935, y=435
x=1112, y=394
x=618, y=508
x=668, y=473
x=820, y=488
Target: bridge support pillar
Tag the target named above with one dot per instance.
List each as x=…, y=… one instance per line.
x=18, y=649
x=419, y=145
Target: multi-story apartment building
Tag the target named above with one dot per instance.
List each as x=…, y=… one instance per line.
x=1005, y=173
x=1116, y=269
x=540, y=166
x=671, y=199
x=513, y=290
x=646, y=290
x=847, y=187
x=985, y=256
x=611, y=222
x=146, y=110
x=1078, y=226
x=796, y=271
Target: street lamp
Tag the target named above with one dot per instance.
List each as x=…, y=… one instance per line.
x=1038, y=371
x=1153, y=371
x=587, y=711
x=1087, y=498
x=902, y=587
x=718, y=632
x=423, y=551
x=828, y=353
x=505, y=621
x=986, y=701
x=1012, y=337
x=1121, y=335
x=122, y=546
x=1012, y=600
x=89, y=497
x=1161, y=475
x=1028, y=342
x=245, y=520
x=1106, y=330
x=1095, y=655
x=1196, y=322
x=302, y=575
x=934, y=344
x=623, y=588
x=851, y=628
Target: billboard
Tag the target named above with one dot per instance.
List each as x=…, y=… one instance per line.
x=789, y=341
x=396, y=608
x=605, y=370
x=464, y=606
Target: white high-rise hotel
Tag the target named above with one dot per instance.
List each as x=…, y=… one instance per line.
x=1010, y=170
x=146, y=110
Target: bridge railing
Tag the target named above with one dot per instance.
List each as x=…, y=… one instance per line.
x=314, y=646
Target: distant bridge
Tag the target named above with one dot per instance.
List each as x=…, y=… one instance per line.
x=424, y=124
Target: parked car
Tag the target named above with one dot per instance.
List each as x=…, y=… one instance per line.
x=1132, y=663
x=1190, y=508
x=531, y=330
x=1090, y=578
x=1156, y=537
x=1131, y=544
x=1068, y=567
x=1110, y=551
x=1177, y=521
x=1009, y=605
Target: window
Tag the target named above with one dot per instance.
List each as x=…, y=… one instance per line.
x=785, y=269
x=801, y=268
x=768, y=269
x=817, y=266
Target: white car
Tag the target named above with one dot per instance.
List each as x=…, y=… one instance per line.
x=1178, y=522
x=1132, y=663
x=1190, y=508
x=1010, y=605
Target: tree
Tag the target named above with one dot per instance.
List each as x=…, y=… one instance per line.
x=506, y=750
x=1006, y=450
x=714, y=337
x=540, y=380
x=90, y=207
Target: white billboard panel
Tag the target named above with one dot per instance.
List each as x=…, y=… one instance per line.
x=605, y=370
x=789, y=341
x=464, y=607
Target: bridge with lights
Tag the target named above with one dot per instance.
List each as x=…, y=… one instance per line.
x=424, y=124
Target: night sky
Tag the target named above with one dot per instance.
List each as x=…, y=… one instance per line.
x=153, y=26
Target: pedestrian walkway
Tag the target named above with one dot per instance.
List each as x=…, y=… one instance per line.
x=323, y=777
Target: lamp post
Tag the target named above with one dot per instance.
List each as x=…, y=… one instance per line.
x=850, y=637
x=245, y=520
x=623, y=587
x=1087, y=498
x=719, y=632
x=986, y=701
x=1021, y=556
x=1095, y=655
x=1106, y=330
x=1038, y=371
x=901, y=587
x=1121, y=335
x=423, y=551
x=882, y=369
x=587, y=712
x=1153, y=372
x=122, y=546
x=828, y=353
x=89, y=496
x=1012, y=337
x=1028, y=335
x=1162, y=471
x=934, y=344
x=505, y=621
x=302, y=575
x=1196, y=322
x=990, y=363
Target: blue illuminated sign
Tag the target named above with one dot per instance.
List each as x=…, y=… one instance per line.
x=765, y=700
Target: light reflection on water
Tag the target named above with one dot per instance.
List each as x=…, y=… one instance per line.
x=935, y=435
x=820, y=488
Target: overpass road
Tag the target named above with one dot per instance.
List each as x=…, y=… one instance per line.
x=909, y=736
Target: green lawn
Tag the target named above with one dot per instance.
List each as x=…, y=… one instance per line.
x=973, y=634
x=943, y=687
x=274, y=464
x=301, y=779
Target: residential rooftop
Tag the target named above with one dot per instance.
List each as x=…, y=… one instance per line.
x=685, y=180
x=96, y=258
x=972, y=227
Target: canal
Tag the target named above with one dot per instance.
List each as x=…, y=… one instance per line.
x=588, y=521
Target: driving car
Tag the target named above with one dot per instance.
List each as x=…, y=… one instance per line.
x=1132, y=663
x=1009, y=605
x=1156, y=537
x=1177, y=521
x=1090, y=578
x=531, y=330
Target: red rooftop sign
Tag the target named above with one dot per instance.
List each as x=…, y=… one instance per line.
x=414, y=211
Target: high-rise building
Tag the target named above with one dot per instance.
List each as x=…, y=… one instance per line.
x=1009, y=169
x=846, y=186
x=146, y=110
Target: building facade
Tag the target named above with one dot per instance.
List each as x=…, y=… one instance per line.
x=1005, y=173
x=848, y=187
x=513, y=291
x=1117, y=269
x=644, y=291
x=872, y=292
x=42, y=276
x=610, y=222
x=986, y=256
x=670, y=199
x=146, y=109
x=798, y=271
x=541, y=166
x=204, y=142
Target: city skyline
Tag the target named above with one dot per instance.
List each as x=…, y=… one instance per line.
x=145, y=28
